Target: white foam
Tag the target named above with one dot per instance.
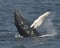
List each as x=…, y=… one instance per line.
x=18, y=36
x=47, y=35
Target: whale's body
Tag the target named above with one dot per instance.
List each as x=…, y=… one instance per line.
x=23, y=26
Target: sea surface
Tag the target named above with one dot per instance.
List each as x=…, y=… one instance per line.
x=31, y=10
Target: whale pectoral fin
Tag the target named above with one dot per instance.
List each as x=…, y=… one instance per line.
x=39, y=20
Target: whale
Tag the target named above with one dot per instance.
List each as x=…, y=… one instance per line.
x=23, y=26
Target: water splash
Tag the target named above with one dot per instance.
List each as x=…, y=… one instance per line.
x=48, y=25
x=47, y=35
x=18, y=36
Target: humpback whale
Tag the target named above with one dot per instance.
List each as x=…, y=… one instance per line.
x=24, y=28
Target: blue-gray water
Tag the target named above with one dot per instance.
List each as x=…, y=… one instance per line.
x=31, y=9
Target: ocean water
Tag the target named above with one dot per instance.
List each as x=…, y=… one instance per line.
x=31, y=9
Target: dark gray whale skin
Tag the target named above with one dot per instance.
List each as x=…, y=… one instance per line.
x=23, y=26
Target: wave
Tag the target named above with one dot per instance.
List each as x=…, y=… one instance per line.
x=47, y=35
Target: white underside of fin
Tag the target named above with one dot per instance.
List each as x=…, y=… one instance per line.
x=39, y=20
